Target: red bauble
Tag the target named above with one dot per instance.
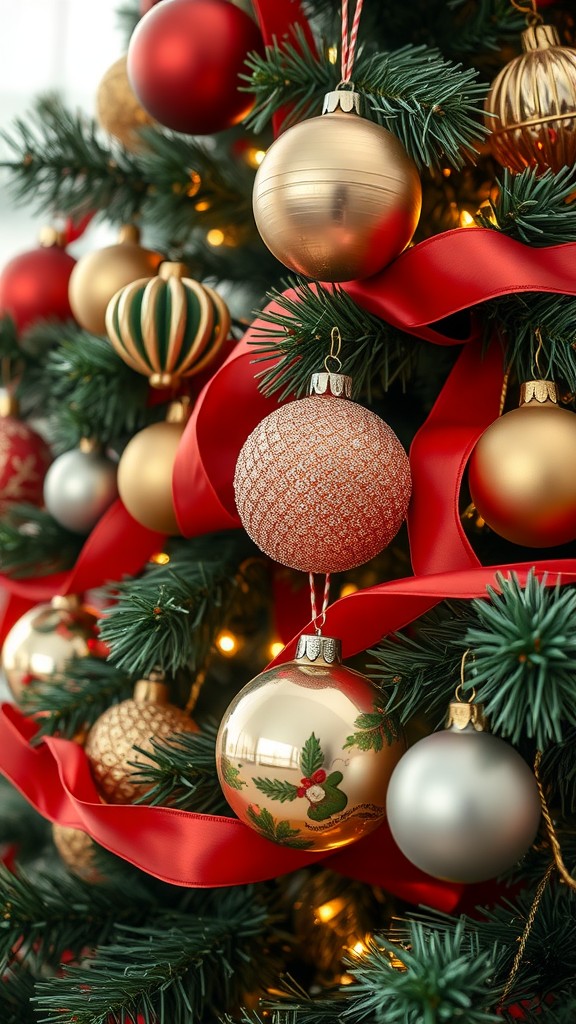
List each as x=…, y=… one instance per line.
x=184, y=59
x=34, y=286
x=24, y=460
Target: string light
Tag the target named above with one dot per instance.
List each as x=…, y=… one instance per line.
x=254, y=156
x=466, y=219
x=215, y=237
x=327, y=911
x=348, y=588
x=276, y=647
x=194, y=185
x=160, y=558
x=332, y=54
x=227, y=643
x=202, y=205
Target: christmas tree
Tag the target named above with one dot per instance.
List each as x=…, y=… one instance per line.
x=345, y=235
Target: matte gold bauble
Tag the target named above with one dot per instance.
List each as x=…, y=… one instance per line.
x=304, y=752
x=117, y=109
x=132, y=723
x=98, y=275
x=44, y=639
x=145, y=472
x=337, y=197
x=167, y=327
x=534, y=100
x=522, y=472
x=77, y=850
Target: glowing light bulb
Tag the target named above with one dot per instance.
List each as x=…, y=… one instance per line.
x=329, y=910
x=215, y=237
x=160, y=558
x=348, y=588
x=275, y=648
x=202, y=205
x=332, y=54
x=466, y=219
x=226, y=643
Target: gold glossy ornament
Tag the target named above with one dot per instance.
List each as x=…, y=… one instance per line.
x=77, y=850
x=118, y=111
x=98, y=275
x=534, y=100
x=522, y=472
x=145, y=471
x=337, y=197
x=304, y=752
x=132, y=723
x=167, y=327
x=45, y=638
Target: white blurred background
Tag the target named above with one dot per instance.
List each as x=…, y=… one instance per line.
x=45, y=46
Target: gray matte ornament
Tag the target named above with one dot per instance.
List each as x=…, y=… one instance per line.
x=463, y=805
x=79, y=487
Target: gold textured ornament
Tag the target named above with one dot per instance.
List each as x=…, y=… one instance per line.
x=77, y=850
x=167, y=327
x=322, y=484
x=534, y=100
x=304, y=752
x=337, y=197
x=145, y=471
x=132, y=723
x=98, y=275
x=118, y=111
x=45, y=638
x=522, y=472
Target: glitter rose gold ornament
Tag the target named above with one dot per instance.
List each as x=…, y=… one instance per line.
x=304, y=752
x=522, y=472
x=122, y=727
x=117, y=109
x=322, y=484
x=337, y=197
x=534, y=100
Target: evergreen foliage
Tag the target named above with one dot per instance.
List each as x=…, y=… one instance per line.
x=183, y=772
x=32, y=543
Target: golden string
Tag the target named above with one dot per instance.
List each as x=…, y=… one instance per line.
x=530, y=10
x=538, y=334
x=335, y=349
x=527, y=929
x=458, y=693
x=504, y=392
x=551, y=831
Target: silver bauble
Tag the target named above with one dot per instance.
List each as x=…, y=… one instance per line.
x=463, y=805
x=79, y=486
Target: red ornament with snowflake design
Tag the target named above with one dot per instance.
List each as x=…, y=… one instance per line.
x=24, y=458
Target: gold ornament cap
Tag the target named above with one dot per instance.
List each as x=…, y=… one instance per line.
x=318, y=649
x=462, y=714
x=540, y=391
x=337, y=384
x=347, y=101
x=49, y=237
x=539, y=37
x=171, y=268
x=9, y=405
x=153, y=689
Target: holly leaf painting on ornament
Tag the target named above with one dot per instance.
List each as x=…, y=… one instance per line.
x=231, y=774
x=320, y=789
x=311, y=758
x=374, y=729
x=277, y=831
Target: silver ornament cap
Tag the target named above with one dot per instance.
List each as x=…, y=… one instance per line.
x=462, y=805
x=79, y=486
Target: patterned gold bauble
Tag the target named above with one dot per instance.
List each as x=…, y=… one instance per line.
x=145, y=472
x=337, y=197
x=98, y=275
x=534, y=100
x=77, y=850
x=45, y=638
x=133, y=723
x=522, y=472
x=167, y=327
x=304, y=752
x=118, y=111
x=322, y=484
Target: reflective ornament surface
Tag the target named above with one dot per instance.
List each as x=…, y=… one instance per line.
x=522, y=472
x=534, y=100
x=34, y=285
x=45, y=638
x=77, y=850
x=145, y=472
x=322, y=484
x=337, y=197
x=100, y=274
x=79, y=486
x=463, y=805
x=118, y=111
x=304, y=752
x=132, y=723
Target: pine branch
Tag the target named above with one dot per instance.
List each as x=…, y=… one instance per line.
x=183, y=773
x=9, y=345
x=299, y=336
x=185, y=967
x=32, y=543
x=537, y=209
x=517, y=317
x=16, y=993
x=20, y=824
x=169, y=616
x=558, y=770
x=525, y=659
x=71, y=703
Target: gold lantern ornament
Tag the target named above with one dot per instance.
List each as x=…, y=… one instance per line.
x=78, y=851
x=98, y=275
x=531, y=106
x=145, y=471
x=522, y=472
x=133, y=723
x=45, y=638
x=118, y=111
x=305, y=751
x=167, y=327
x=337, y=197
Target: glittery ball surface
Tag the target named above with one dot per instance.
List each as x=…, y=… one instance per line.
x=322, y=484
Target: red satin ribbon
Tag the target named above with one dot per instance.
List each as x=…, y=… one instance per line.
x=275, y=18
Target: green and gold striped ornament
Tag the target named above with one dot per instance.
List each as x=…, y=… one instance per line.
x=167, y=327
